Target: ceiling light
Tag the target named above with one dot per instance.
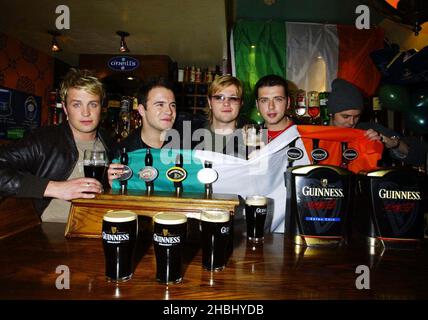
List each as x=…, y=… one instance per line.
x=123, y=47
x=55, y=46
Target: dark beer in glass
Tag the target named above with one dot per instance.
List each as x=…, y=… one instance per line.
x=215, y=229
x=95, y=164
x=119, y=234
x=170, y=229
x=255, y=215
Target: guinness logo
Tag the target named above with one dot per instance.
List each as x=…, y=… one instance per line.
x=319, y=154
x=324, y=182
x=165, y=232
x=176, y=174
x=148, y=174
x=294, y=153
x=113, y=230
x=350, y=154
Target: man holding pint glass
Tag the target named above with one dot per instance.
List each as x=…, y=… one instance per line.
x=47, y=164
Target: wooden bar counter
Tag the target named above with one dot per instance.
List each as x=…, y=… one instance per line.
x=272, y=271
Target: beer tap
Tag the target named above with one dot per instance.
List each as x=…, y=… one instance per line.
x=207, y=176
x=344, y=159
x=208, y=186
x=124, y=160
x=148, y=160
x=178, y=184
x=177, y=174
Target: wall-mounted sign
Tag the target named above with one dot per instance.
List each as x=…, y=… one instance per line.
x=123, y=63
x=19, y=111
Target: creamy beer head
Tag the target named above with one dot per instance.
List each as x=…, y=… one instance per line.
x=169, y=218
x=256, y=200
x=119, y=216
x=215, y=215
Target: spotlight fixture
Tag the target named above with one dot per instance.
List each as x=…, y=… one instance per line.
x=123, y=47
x=55, y=46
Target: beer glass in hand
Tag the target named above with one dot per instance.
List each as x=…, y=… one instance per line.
x=252, y=138
x=215, y=229
x=119, y=233
x=255, y=214
x=95, y=164
x=170, y=229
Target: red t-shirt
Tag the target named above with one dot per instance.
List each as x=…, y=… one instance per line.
x=273, y=134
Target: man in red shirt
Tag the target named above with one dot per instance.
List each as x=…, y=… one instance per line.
x=273, y=103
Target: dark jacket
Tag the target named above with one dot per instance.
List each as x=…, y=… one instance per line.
x=44, y=154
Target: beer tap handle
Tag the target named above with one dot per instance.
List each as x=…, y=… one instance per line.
x=178, y=185
x=124, y=160
x=315, y=145
x=345, y=161
x=148, y=160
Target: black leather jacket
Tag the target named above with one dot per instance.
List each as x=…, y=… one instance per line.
x=45, y=154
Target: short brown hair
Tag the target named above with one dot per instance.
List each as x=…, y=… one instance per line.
x=220, y=83
x=81, y=79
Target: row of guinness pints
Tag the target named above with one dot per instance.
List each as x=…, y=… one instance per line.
x=329, y=205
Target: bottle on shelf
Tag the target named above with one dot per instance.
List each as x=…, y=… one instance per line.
x=198, y=75
x=325, y=117
x=192, y=74
x=376, y=116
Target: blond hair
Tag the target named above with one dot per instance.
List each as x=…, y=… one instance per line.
x=218, y=84
x=81, y=79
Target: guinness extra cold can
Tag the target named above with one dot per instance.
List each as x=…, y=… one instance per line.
x=318, y=204
x=119, y=234
x=170, y=230
x=394, y=202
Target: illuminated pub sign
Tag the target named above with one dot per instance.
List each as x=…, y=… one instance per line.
x=123, y=63
x=19, y=111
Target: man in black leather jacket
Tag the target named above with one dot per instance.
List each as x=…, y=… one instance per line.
x=43, y=165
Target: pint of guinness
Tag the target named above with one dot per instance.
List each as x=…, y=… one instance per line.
x=170, y=230
x=215, y=229
x=318, y=204
x=255, y=215
x=394, y=202
x=119, y=234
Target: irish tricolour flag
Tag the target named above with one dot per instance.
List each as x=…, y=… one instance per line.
x=309, y=55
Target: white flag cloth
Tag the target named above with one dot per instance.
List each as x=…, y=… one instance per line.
x=263, y=174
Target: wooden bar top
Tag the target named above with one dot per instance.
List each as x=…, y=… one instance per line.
x=272, y=271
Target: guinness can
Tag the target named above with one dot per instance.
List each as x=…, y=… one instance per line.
x=318, y=204
x=394, y=202
x=119, y=234
x=215, y=229
x=170, y=230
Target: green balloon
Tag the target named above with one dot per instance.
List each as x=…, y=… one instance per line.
x=417, y=121
x=394, y=97
x=255, y=116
